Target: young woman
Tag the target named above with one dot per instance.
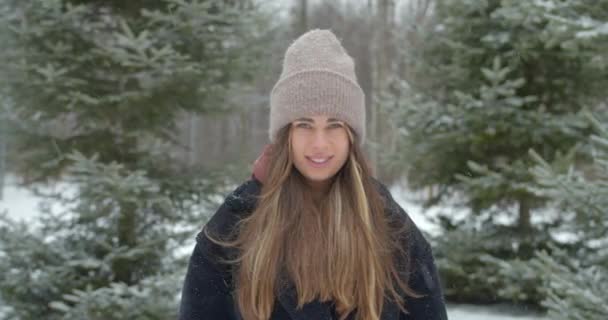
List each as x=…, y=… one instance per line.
x=312, y=235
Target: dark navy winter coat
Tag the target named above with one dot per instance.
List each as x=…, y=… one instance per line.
x=206, y=293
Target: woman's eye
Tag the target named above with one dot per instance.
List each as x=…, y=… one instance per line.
x=335, y=125
x=303, y=125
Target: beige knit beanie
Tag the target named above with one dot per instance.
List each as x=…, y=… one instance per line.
x=318, y=78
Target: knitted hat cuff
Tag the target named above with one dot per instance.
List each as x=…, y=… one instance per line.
x=317, y=70
x=317, y=92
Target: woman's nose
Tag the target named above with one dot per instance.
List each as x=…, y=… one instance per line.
x=320, y=139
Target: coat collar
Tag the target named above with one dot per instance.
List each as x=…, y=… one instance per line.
x=319, y=310
x=312, y=310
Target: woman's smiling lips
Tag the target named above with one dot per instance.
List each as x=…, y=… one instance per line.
x=318, y=162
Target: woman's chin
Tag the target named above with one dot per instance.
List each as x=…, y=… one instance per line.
x=317, y=178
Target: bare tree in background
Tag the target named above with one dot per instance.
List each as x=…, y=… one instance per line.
x=383, y=56
x=3, y=150
x=414, y=16
x=299, y=12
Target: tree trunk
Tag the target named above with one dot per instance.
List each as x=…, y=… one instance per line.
x=383, y=24
x=526, y=248
x=3, y=152
x=193, y=134
x=123, y=268
x=302, y=17
x=524, y=222
x=371, y=135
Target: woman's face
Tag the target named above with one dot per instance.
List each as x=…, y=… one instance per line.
x=320, y=147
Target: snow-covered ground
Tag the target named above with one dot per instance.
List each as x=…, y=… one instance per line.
x=20, y=203
x=412, y=204
x=500, y=312
x=23, y=205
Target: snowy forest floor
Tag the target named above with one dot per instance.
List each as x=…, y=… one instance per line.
x=23, y=205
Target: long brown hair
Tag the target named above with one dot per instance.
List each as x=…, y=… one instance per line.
x=344, y=248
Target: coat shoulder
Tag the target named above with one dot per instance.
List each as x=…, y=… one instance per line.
x=391, y=206
x=244, y=197
x=413, y=237
x=241, y=200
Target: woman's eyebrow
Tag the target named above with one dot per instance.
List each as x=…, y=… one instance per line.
x=312, y=121
x=305, y=119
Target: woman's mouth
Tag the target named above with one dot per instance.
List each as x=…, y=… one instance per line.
x=318, y=162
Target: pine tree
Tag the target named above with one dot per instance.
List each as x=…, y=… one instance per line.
x=71, y=265
x=96, y=87
x=500, y=77
x=577, y=286
x=574, y=283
